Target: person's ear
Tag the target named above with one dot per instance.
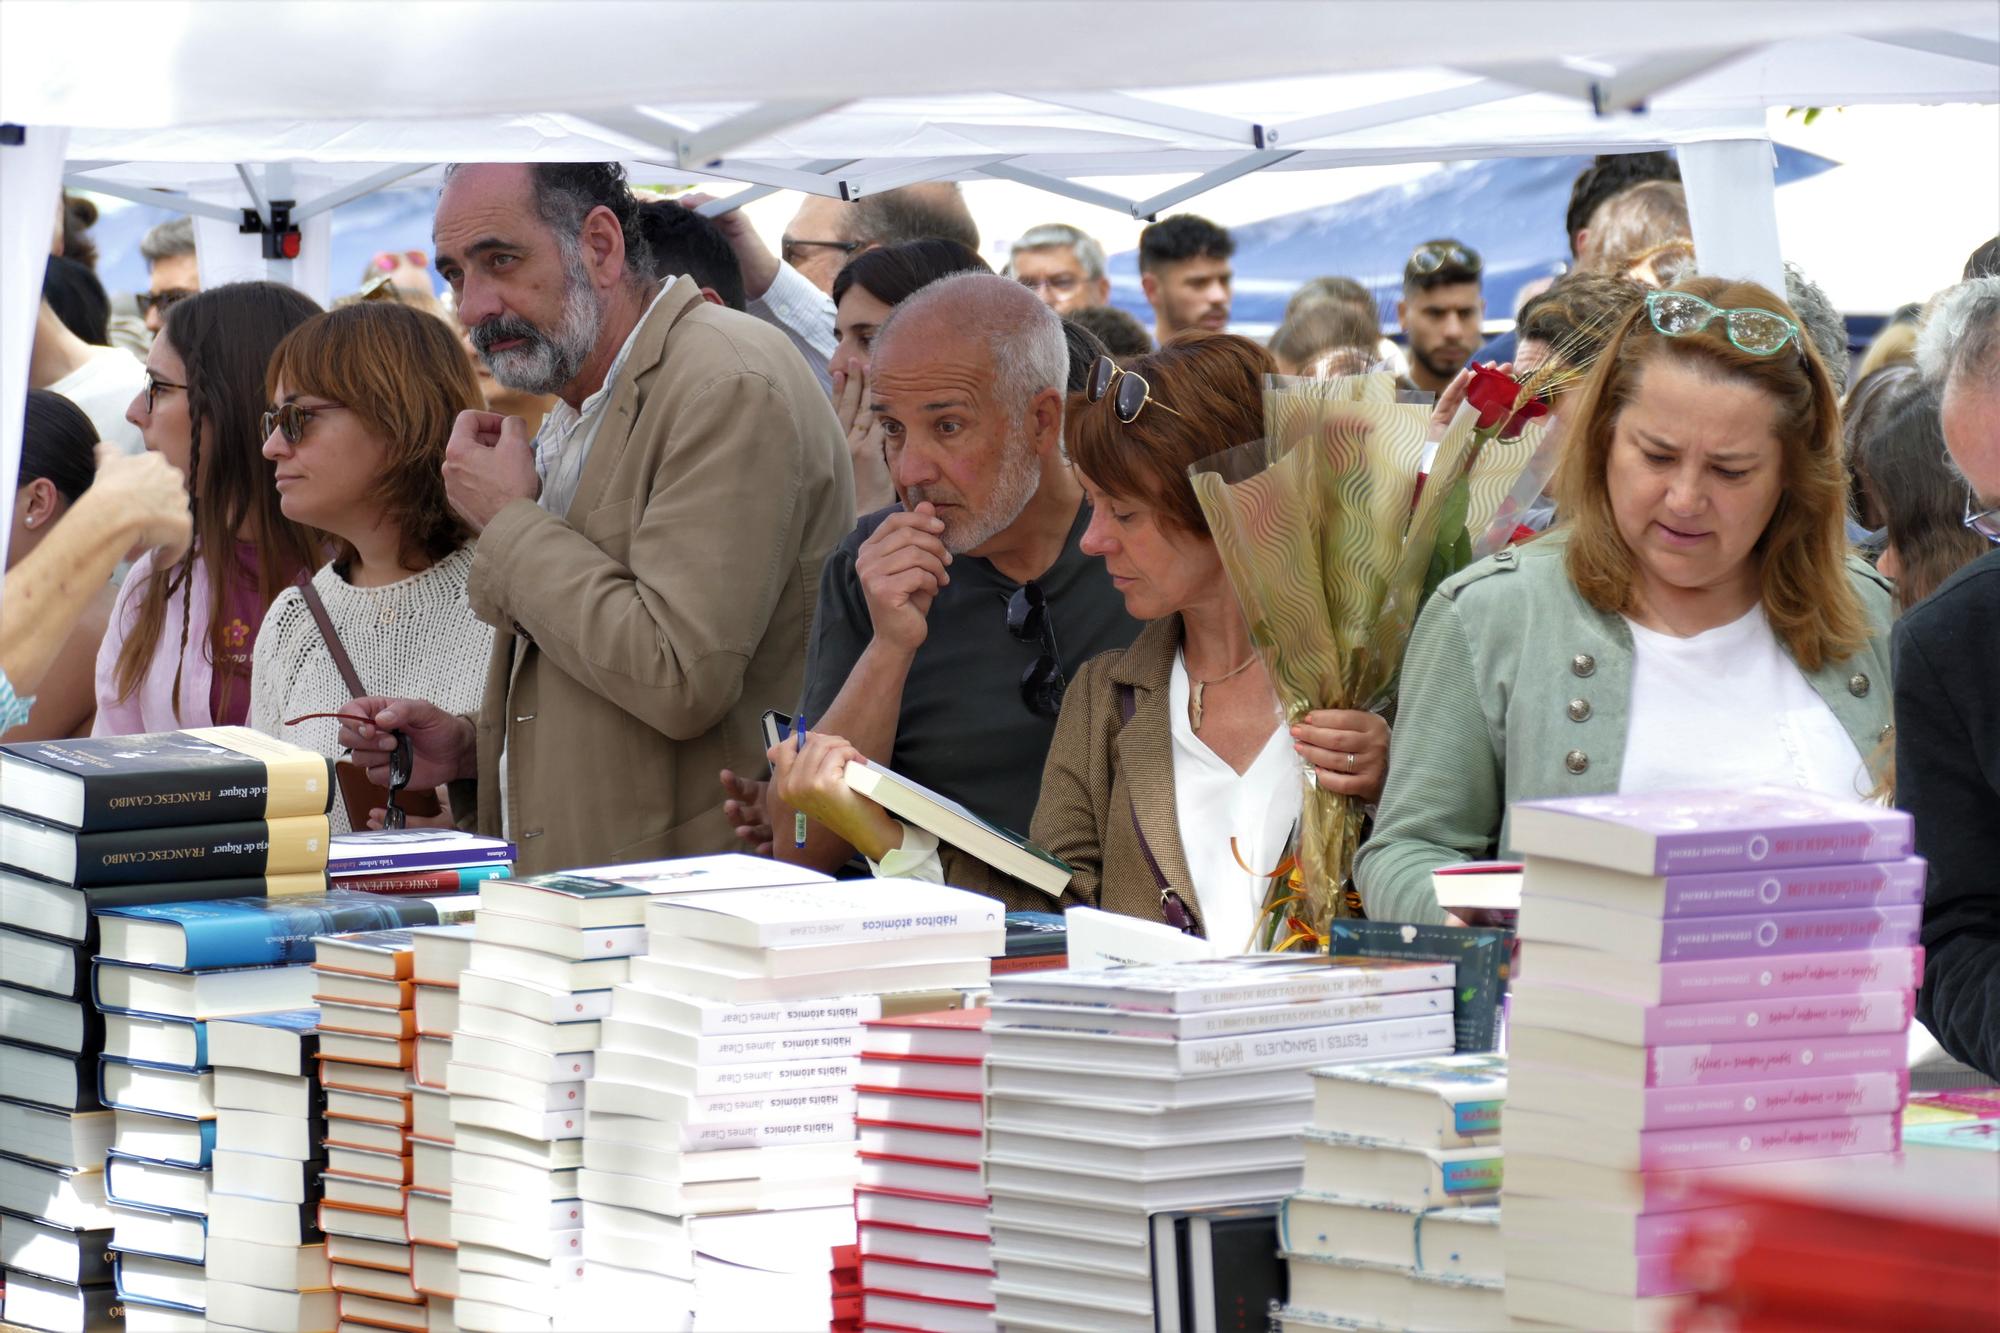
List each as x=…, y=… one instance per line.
x=40, y=503
x=1149, y=283
x=1403, y=314
x=1045, y=418
x=603, y=243
x=710, y=295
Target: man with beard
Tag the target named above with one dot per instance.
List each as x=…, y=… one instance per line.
x=1440, y=311
x=948, y=623
x=1184, y=271
x=648, y=559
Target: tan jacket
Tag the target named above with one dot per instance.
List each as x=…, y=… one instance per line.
x=1105, y=780
x=642, y=634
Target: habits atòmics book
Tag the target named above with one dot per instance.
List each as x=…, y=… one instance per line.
x=290, y=846
x=243, y=932
x=205, y=775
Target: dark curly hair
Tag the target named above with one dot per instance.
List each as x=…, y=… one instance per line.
x=565, y=194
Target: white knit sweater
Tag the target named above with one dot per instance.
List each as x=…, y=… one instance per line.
x=416, y=639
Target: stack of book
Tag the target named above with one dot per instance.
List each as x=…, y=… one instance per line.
x=925, y=1237
x=1396, y=1225
x=1124, y=1092
x=1708, y=980
x=417, y=860
x=439, y=956
x=725, y=1084
x=266, y=1261
x=846, y=1290
x=110, y=822
x=367, y=1031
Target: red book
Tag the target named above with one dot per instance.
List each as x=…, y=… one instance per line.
x=914, y=1106
x=959, y=1181
x=945, y=1034
x=922, y=1073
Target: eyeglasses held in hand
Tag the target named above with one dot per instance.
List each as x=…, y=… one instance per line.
x=155, y=386
x=292, y=419
x=401, y=762
x=160, y=301
x=1028, y=620
x=1985, y=522
x=1133, y=392
x=1428, y=259
x=792, y=251
x=1758, y=332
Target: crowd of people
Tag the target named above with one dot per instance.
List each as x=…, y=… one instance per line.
x=545, y=552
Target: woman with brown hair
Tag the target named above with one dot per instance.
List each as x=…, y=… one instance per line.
x=177, y=653
x=1904, y=483
x=1171, y=782
x=1694, y=621
x=364, y=398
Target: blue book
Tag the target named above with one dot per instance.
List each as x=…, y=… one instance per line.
x=171, y=1043
x=246, y=932
x=186, y=1095
x=169, y=1140
x=221, y=992
x=281, y=1041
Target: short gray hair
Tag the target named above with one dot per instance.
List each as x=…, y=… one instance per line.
x=1961, y=336
x=1055, y=235
x=170, y=238
x=1029, y=349
x=1824, y=324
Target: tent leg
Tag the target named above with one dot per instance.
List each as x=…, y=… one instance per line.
x=1732, y=205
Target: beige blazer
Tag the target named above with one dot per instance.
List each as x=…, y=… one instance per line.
x=1105, y=780
x=641, y=635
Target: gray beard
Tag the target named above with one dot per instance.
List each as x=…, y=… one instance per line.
x=546, y=361
x=1020, y=477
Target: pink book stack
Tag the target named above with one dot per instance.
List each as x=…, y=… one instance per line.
x=1708, y=981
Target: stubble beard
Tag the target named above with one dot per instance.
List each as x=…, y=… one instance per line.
x=1020, y=477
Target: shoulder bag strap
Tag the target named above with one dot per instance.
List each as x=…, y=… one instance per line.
x=1170, y=901
x=333, y=645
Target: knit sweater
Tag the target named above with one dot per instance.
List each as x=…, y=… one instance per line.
x=416, y=639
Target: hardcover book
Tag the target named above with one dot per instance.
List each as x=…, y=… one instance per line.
x=244, y=932
x=1685, y=832
x=252, y=849
x=1700, y=1146
x=1740, y=978
x=1598, y=1015
x=1706, y=1062
x=280, y=1041
x=1483, y=959
x=1007, y=852
x=384, y=851
x=1811, y=1097
x=1649, y=939
x=827, y=914
x=1225, y=983
x=64, y=910
x=1449, y=1101
x=205, y=775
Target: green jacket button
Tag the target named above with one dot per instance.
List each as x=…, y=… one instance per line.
x=1857, y=685
x=1576, y=761
x=1579, y=710
x=1583, y=664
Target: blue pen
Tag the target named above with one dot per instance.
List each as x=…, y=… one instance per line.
x=799, y=817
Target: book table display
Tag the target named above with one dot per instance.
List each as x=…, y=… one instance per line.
x=720, y=1093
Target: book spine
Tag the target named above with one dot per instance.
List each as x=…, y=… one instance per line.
x=225, y=791
x=700, y=1137
x=1877, y=1093
x=1779, y=1141
x=785, y=1016
x=1793, y=975
x=766, y=1077
x=155, y=893
x=389, y=863
x=888, y=923
x=1770, y=1019
x=1752, y=1061
x=1332, y=984
x=1465, y=1177
x=206, y=851
x=1805, y=888
x=1352, y=1041
x=1359, y=1009
x=759, y=1048
x=422, y=881
x=1824, y=843
x=1790, y=933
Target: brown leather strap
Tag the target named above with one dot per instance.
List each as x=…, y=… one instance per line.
x=1126, y=707
x=341, y=661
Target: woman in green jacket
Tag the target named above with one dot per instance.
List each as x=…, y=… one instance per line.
x=1695, y=620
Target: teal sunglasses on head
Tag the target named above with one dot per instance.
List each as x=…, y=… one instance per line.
x=1758, y=332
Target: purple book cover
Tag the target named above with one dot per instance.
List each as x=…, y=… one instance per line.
x=1779, y=1141
x=1667, y=1192
x=1662, y=1233
x=1756, y=1061
x=1780, y=1016
x=1687, y=832
x=1798, y=888
x=1796, y=974
x=1784, y=933
x=1657, y=1276
x=1879, y=1093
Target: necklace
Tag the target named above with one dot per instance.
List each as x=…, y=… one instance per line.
x=1195, y=688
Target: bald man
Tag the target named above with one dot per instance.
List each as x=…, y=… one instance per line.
x=912, y=657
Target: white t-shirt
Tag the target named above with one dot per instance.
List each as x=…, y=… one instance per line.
x=1728, y=707
x=104, y=386
x=1213, y=804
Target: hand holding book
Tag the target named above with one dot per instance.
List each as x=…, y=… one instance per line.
x=813, y=781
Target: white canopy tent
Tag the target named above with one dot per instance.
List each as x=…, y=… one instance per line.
x=242, y=107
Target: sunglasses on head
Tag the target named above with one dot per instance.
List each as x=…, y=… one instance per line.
x=1028, y=620
x=1428, y=259
x=291, y=419
x=1758, y=332
x=1131, y=395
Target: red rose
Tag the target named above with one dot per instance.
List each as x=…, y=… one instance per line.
x=1498, y=398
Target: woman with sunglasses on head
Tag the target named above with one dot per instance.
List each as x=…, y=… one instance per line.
x=1694, y=620
x=364, y=398
x=177, y=653
x=1171, y=781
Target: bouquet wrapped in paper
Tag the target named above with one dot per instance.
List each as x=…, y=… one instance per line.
x=1332, y=536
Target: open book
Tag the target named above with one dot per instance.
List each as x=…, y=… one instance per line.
x=1009, y=853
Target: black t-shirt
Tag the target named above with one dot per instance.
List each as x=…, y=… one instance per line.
x=963, y=730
